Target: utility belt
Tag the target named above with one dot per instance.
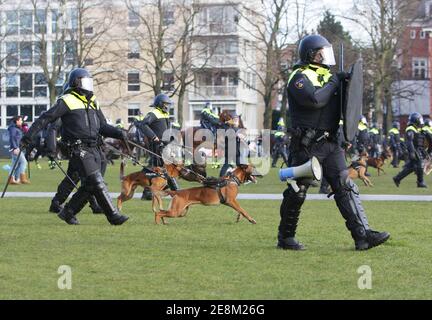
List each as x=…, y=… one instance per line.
x=68, y=147
x=306, y=137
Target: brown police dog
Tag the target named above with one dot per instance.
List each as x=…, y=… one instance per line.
x=221, y=191
x=358, y=170
x=157, y=182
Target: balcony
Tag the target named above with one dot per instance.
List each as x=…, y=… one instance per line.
x=213, y=93
x=216, y=29
x=217, y=61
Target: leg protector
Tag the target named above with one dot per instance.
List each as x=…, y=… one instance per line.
x=349, y=204
x=290, y=211
x=96, y=186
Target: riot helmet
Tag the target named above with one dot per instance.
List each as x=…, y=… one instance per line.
x=396, y=124
x=163, y=102
x=428, y=122
x=363, y=120
x=416, y=119
x=316, y=47
x=81, y=80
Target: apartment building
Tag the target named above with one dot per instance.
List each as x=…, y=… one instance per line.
x=110, y=39
x=415, y=62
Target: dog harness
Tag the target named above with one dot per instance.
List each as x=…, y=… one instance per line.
x=219, y=183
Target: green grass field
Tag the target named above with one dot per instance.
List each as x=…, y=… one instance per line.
x=206, y=255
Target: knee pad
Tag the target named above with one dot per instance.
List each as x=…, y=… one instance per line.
x=345, y=184
x=94, y=182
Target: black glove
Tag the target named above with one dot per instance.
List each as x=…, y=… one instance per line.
x=25, y=142
x=343, y=75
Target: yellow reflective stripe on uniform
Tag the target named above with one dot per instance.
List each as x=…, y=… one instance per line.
x=374, y=131
x=74, y=103
x=427, y=129
x=362, y=126
x=208, y=111
x=318, y=77
x=411, y=128
x=394, y=131
x=160, y=114
x=279, y=134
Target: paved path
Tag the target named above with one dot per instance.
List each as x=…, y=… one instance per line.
x=250, y=196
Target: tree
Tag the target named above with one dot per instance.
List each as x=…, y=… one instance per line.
x=384, y=22
x=267, y=25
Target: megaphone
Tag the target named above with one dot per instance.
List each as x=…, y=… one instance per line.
x=310, y=169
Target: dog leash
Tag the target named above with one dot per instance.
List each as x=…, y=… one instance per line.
x=164, y=160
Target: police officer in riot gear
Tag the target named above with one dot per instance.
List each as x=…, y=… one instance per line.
x=415, y=141
x=209, y=120
x=280, y=145
x=155, y=123
x=362, y=137
x=315, y=114
x=394, y=141
x=375, y=141
x=82, y=122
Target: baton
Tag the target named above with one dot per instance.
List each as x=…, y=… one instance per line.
x=65, y=173
x=11, y=173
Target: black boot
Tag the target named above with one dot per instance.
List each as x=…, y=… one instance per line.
x=96, y=208
x=420, y=179
x=349, y=204
x=172, y=183
x=75, y=205
x=401, y=175
x=289, y=212
x=68, y=215
x=147, y=194
x=100, y=191
x=373, y=239
x=55, y=207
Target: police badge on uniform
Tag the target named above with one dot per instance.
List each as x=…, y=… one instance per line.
x=299, y=84
x=82, y=154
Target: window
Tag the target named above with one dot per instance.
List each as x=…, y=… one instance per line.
x=88, y=30
x=31, y=111
x=57, y=53
x=59, y=83
x=26, y=22
x=39, y=109
x=55, y=20
x=133, y=81
x=169, y=54
x=27, y=110
x=412, y=34
x=26, y=54
x=11, y=111
x=133, y=18
x=419, y=68
x=40, y=85
x=73, y=18
x=422, y=35
x=37, y=53
x=11, y=85
x=26, y=85
x=40, y=21
x=168, y=81
x=12, y=22
x=88, y=61
x=71, y=52
x=133, y=110
x=168, y=17
x=134, y=49
x=12, y=54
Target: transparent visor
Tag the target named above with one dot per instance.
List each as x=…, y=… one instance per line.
x=421, y=121
x=87, y=84
x=328, y=56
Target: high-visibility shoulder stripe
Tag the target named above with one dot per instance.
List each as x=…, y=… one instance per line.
x=412, y=128
x=75, y=102
x=160, y=114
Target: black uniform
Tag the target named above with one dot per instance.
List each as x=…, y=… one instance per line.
x=415, y=142
x=315, y=113
x=280, y=148
x=154, y=125
x=362, y=139
x=395, y=146
x=82, y=123
x=66, y=186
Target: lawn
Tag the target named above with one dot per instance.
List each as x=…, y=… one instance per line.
x=206, y=255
